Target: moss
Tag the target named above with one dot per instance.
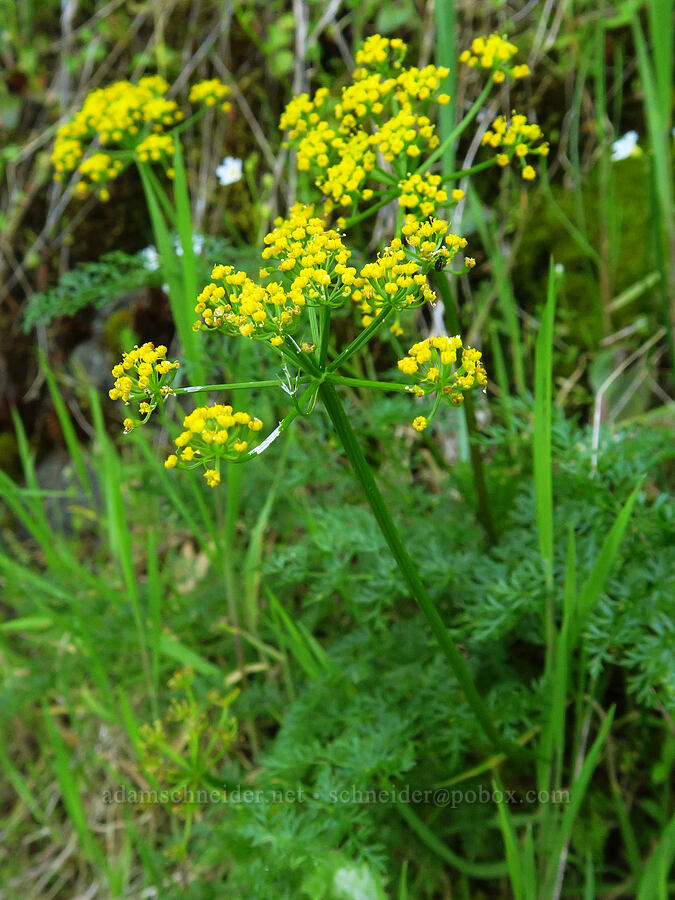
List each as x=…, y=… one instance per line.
x=9, y=455
x=117, y=327
x=630, y=253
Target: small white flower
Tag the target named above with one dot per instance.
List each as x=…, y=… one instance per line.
x=150, y=258
x=626, y=146
x=197, y=244
x=229, y=170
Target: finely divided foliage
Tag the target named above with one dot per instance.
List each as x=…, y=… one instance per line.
x=395, y=640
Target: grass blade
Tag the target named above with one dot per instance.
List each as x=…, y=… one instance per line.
x=181, y=654
x=596, y=580
x=555, y=851
x=67, y=428
x=510, y=838
x=543, y=402
x=71, y=796
x=654, y=884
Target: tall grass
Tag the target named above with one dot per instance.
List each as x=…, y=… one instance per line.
x=114, y=582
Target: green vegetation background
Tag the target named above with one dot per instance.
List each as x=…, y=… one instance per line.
x=114, y=575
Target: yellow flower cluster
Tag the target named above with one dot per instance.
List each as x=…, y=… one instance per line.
x=117, y=116
x=420, y=85
x=517, y=137
x=375, y=52
x=155, y=147
x=198, y=726
x=422, y=193
x=211, y=92
x=99, y=168
x=316, y=145
x=343, y=182
x=363, y=98
x=432, y=362
x=246, y=308
x=393, y=281
x=315, y=257
x=123, y=118
x=310, y=268
x=368, y=95
x=431, y=242
x=143, y=377
x=405, y=133
x=494, y=52
x=301, y=113
x=213, y=434
x=377, y=112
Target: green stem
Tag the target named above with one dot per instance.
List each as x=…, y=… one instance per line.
x=280, y=429
x=407, y=567
x=299, y=358
x=314, y=325
x=182, y=305
x=382, y=176
x=186, y=123
x=354, y=220
x=484, y=514
x=461, y=173
x=367, y=383
x=234, y=386
x=455, y=133
x=322, y=352
x=360, y=340
x=445, y=15
x=160, y=193
x=483, y=870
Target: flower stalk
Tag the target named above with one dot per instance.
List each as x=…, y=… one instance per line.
x=407, y=567
x=483, y=511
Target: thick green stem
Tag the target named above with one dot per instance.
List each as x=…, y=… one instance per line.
x=325, y=334
x=405, y=563
x=454, y=327
x=445, y=16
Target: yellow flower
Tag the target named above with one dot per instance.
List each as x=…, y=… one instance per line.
x=433, y=363
x=518, y=136
x=494, y=52
x=210, y=92
x=122, y=119
x=155, y=147
x=214, y=433
x=143, y=377
x=212, y=477
x=422, y=194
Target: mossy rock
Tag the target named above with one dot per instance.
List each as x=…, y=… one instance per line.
x=631, y=246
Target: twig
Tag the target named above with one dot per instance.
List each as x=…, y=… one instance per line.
x=602, y=390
